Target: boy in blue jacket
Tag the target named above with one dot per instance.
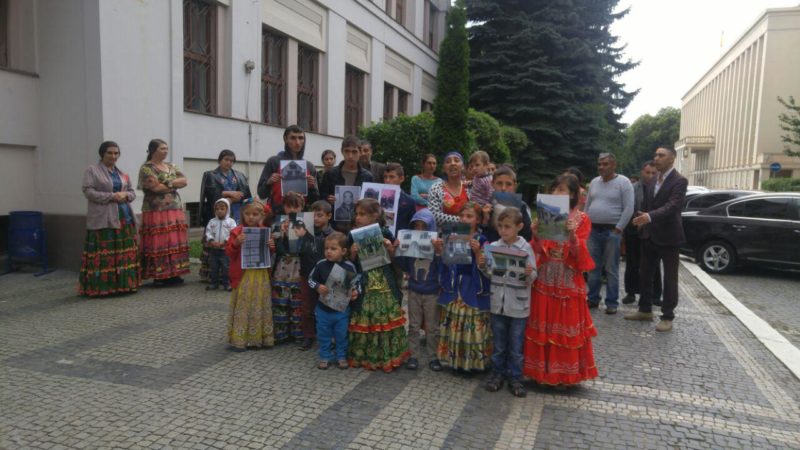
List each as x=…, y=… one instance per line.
x=423, y=293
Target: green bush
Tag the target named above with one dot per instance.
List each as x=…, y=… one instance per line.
x=404, y=140
x=515, y=139
x=487, y=134
x=781, y=185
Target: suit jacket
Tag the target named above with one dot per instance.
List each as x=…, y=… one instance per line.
x=99, y=189
x=665, y=227
x=638, y=195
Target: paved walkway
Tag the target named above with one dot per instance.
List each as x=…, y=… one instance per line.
x=151, y=370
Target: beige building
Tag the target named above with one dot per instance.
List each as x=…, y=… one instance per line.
x=730, y=133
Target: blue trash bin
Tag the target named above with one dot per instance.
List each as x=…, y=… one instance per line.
x=26, y=238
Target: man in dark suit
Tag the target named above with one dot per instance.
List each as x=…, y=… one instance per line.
x=661, y=232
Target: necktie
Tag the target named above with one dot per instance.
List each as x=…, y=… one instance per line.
x=660, y=178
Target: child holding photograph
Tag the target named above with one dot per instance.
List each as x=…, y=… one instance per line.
x=217, y=232
x=464, y=333
x=423, y=293
x=332, y=324
x=250, y=318
x=481, y=192
x=406, y=207
x=559, y=334
x=287, y=301
x=377, y=333
x=309, y=256
x=504, y=179
x=510, y=301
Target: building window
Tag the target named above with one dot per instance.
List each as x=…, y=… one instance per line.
x=3, y=33
x=402, y=102
x=426, y=106
x=199, y=56
x=353, y=100
x=427, y=29
x=400, y=11
x=273, y=78
x=307, y=89
x=388, y=101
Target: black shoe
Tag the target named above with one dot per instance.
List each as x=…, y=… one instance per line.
x=630, y=298
x=306, y=344
x=611, y=310
x=435, y=365
x=211, y=288
x=173, y=281
x=227, y=288
x=593, y=305
x=412, y=364
x=516, y=387
x=495, y=382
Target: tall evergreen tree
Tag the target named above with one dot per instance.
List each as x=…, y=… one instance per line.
x=550, y=67
x=452, y=79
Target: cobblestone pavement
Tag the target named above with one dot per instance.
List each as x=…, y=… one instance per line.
x=772, y=294
x=151, y=370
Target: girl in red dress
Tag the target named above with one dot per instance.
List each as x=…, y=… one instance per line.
x=558, y=345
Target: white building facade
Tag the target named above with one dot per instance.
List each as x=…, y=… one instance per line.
x=730, y=133
x=204, y=75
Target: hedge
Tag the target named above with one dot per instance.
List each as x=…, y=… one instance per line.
x=781, y=185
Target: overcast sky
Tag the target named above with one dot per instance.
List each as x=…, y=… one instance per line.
x=677, y=41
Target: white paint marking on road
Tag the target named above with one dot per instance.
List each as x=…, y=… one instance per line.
x=787, y=353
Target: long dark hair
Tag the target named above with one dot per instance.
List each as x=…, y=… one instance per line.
x=153, y=146
x=105, y=146
x=571, y=182
x=371, y=206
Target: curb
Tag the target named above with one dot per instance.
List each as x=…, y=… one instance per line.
x=786, y=353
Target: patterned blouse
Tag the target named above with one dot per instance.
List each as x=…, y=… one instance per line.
x=444, y=206
x=150, y=175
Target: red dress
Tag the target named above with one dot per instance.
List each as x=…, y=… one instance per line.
x=558, y=337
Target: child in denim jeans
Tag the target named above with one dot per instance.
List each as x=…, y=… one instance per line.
x=217, y=232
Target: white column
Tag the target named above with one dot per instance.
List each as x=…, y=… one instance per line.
x=176, y=87
x=291, y=81
x=245, y=44
x=376, y=80
x=337, y=46
x=416, y=94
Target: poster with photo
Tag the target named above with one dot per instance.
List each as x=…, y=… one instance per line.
x=340, y=285
x=255, y=248
x=388, y=195
x=416, y=243
x=456, y=245
x=344, y=208
x=371, y=252
x=552, y=211
x=293, y=177
x=501, y=201
x=509, y=264
x=304, y=220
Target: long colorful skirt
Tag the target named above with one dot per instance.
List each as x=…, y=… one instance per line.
x=378, y=337
x=558, y=338
x=465, y=337
x=205, y=261
x=250, y=318
x=165, y=244
x=287, y=303
x=110, y=261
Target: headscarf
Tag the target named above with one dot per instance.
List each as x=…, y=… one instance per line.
x=456, y=154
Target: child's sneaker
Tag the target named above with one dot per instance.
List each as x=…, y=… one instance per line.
x=495, y=382
x=412, y=364
x=517, y=388
x=213, y=287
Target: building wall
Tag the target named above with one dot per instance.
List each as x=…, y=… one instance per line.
x=735, y=103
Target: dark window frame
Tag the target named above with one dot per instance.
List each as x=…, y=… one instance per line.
x=353, y=99
x=403, y=101
x=207, y=58
x=400, y=12
x=309, y=91
x=4, y=26
x=270, y=41
x=388, y=101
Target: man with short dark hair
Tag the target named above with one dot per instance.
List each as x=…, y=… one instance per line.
x=632, y=243
x=269, y=185
x=347, y=173
x=609, y=206
x=365, y=160
x=661, y=230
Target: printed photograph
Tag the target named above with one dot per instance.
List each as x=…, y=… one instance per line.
x=388, y=195
x=501, y=201
x=339, y=284
x=293, y=177
x=416, y=243
x=371, y=252
x=255, y=249
x=552, y=211
x=509, y=263
x=456, y=245
x=345, y=204
x=304, y=220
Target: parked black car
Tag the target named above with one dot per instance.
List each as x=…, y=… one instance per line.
x=761, y=228
x=708, y=199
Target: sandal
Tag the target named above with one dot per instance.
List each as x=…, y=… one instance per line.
x=495, y=383
x=516, y=388
x=323, y=365
x=342, y=364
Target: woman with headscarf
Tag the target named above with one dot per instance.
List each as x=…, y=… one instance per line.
x=446, y=198
x=110, y=260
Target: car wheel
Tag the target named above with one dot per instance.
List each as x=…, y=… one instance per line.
x=717, y=257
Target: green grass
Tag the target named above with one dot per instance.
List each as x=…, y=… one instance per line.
x=195, y=249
